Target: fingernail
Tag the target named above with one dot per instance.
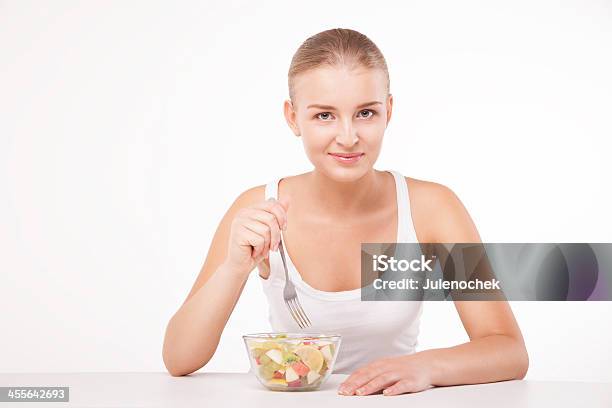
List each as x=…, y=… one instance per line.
x=360, y=391
x=285, y=227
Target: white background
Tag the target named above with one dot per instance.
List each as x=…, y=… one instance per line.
x=128, y=128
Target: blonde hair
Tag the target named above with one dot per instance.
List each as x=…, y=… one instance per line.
x=336, y=47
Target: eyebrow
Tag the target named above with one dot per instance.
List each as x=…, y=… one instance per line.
x=332, y=107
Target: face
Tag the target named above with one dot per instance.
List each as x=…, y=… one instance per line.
x=341, y=116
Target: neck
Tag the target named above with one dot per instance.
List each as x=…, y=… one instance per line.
x=344, y=199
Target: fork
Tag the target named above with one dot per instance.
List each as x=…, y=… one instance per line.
x=290, y=296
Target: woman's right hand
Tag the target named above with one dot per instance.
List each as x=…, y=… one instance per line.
x=255, y=230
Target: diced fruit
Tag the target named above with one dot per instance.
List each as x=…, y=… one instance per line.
x=326, y=351
x=290, y=358
x=323, y=370
x=258, y=351
x=263, y=359
x=282, y=361
x=300, y=368
x=312, y=377
x=277, y=381
x=311, y=356
x=269, y=345
x=291, y=375
x=266, y=371
x=275, y=355
x=296, y=383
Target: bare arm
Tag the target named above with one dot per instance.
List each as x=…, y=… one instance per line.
x=496, y=350
x=193, y=333
x=243, y=239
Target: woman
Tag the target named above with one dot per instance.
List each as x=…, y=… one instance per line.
x=340, y=105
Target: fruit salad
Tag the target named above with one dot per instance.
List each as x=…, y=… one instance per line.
x=292, y=362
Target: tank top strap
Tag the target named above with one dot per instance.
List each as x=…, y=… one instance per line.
x=272, y=189
x=406, y=230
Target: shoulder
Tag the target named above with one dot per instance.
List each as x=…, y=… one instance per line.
x=287, y=186
x=439, y=214
x=429, y=194
x=245, y=199
x=251, y=195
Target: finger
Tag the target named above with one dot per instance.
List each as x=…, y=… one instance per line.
x=270, y=220
x=281, y=214
x=378, y=383
x=262, y=229
x=253, y=239
x=359, y=378
x=285, y=201
x=276, y=225
x=401, y=387
x=275, y=207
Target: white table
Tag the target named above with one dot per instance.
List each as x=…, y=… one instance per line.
x=229, y=390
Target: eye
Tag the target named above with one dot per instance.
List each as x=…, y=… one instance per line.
x=367, y=110
x=318, y=115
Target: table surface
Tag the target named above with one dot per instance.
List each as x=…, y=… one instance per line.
x=230, y=389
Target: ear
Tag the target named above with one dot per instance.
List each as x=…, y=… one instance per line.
x=290, y=117
x=389, y=107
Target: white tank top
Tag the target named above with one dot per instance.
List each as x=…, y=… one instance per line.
x=370, y=329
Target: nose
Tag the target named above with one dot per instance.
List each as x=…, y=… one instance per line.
x=347, y=136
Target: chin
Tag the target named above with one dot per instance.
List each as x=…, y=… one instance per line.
x=346, y=174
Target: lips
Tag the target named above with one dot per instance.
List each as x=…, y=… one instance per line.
x=347, y=159
x=346, y=155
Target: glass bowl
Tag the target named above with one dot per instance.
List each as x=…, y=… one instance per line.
x=292, y=361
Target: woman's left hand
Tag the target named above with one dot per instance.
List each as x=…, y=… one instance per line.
x=395, y=375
